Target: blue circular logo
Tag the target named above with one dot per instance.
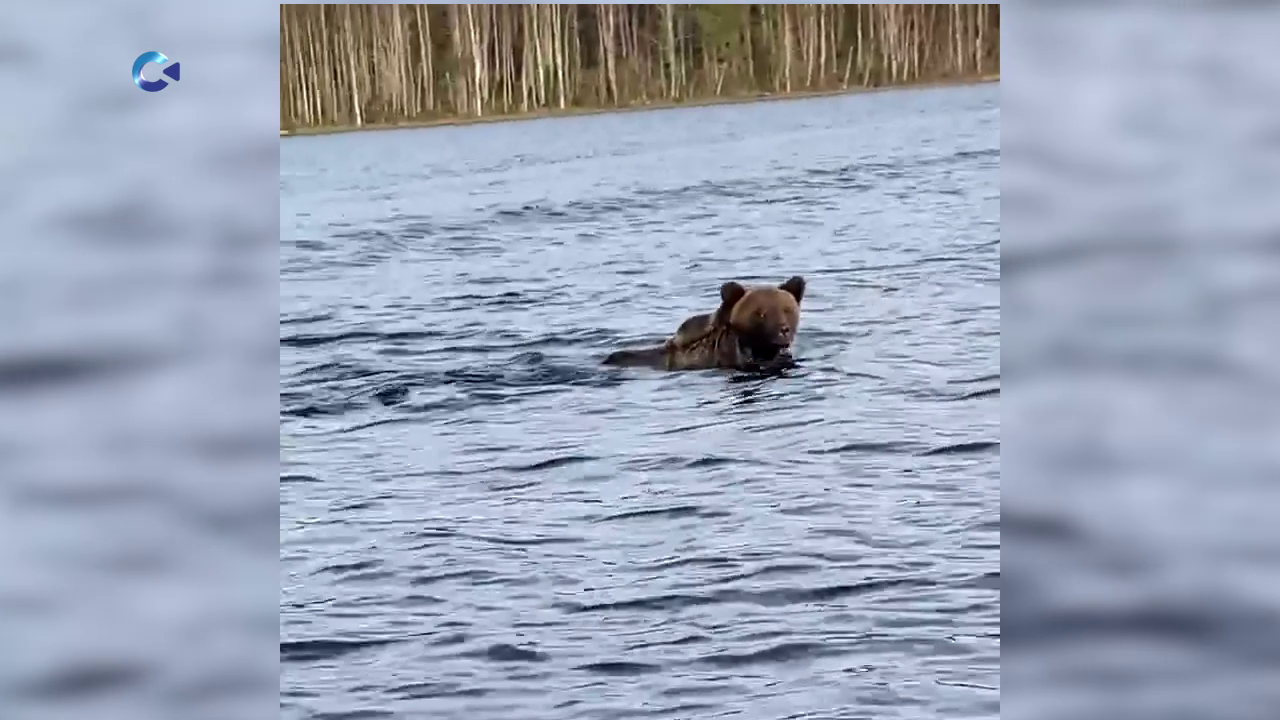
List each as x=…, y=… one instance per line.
x=173, y=71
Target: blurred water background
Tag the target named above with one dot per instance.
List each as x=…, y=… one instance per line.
x=1138, y=176
x=138, y=363
x=1140, y=292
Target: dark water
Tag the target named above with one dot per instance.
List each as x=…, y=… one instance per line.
x=479, y=521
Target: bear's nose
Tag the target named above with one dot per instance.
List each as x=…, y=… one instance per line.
x=784, y=330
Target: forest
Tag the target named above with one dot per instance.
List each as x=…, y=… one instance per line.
x=352, y=66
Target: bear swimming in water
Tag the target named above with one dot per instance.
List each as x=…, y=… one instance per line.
x=753, y=329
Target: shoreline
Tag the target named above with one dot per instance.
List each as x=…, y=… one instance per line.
x=663, y=105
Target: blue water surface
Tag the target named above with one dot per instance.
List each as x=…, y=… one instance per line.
x=480, y=521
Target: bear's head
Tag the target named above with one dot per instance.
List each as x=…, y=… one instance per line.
x=763, y=319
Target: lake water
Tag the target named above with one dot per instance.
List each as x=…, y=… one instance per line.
x=480, y=521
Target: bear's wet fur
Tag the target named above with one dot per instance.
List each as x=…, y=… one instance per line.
x=753, y=329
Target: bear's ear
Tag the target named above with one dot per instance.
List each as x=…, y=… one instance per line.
x=795, y=286
x=730, y=293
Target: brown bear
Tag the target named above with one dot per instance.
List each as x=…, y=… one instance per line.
x=751, y=330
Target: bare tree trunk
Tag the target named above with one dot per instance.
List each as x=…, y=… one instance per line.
x=558, y=37
x=671, y=48
x=611, y=50
x=822, y=43
x=426, y=52
x=348, y=37
x=978, y=46
x=786, y=44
